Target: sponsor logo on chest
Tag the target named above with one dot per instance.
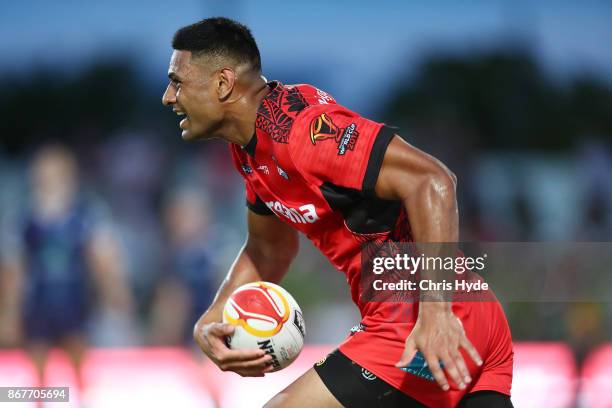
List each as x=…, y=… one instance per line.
x=305, y=214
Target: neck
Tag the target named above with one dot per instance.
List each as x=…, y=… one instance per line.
x=240, y=124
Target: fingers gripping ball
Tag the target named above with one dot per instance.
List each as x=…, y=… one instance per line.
x=266, y=316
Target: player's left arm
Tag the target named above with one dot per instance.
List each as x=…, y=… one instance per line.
x=427, y=190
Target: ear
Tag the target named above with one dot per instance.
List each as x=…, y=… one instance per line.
x=227, y=81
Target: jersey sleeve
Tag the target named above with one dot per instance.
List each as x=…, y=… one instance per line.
x=332, y=144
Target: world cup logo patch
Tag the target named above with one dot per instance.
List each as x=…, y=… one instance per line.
x=323, y=128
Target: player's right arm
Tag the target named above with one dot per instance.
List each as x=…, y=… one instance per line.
x=266, y=255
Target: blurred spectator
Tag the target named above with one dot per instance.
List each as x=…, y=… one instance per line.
x=132, y=169
x=59, y=250
x=188, y=283
x=585, y=327
x=595, y=166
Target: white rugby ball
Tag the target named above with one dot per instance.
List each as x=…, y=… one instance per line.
x=266, y=316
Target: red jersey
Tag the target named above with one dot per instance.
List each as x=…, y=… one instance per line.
x=314, y=164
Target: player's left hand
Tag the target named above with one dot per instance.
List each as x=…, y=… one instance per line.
x=438, y=335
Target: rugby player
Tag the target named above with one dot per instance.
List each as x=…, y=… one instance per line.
x=313, y=166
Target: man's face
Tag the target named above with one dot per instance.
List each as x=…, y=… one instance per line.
x=192, y=94
x=53, y=177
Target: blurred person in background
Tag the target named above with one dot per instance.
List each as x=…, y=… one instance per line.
x=61, y=250
x=188, y=282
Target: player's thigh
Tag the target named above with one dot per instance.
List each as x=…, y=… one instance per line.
x=306, y=391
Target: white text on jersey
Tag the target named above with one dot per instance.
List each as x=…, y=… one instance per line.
x=307, y=213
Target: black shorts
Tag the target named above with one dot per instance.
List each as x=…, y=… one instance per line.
x=355, y=387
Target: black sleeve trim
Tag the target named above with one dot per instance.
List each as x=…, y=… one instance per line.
x=259, y=207
x=383, y=138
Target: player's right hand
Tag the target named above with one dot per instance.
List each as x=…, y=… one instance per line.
x=248, y=363
x=439, y=336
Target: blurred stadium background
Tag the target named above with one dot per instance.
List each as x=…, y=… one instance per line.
x=516, y=97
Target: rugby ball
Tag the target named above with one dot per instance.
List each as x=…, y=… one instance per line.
x=266, y=316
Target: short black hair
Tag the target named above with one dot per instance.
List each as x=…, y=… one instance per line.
x=219, y=36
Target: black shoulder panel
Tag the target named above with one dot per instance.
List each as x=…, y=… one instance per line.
x=364, y=214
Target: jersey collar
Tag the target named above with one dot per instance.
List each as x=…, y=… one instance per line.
x=250, y=147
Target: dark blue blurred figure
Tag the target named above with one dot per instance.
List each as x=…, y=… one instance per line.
x=189, y=281
x=57, y=288
x=64, y=263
